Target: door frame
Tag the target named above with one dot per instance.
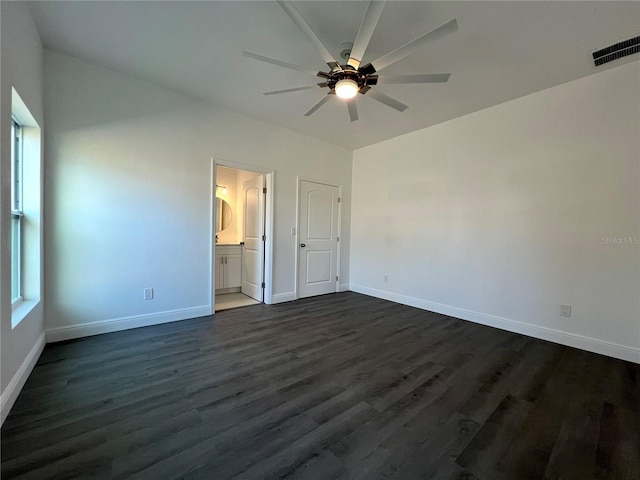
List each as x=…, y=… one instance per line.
x=268, y=225
x=297, y=236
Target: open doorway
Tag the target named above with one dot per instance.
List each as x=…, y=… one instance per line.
x=242, y=246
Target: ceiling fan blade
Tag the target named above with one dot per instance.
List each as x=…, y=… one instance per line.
x=280, y=63
x=353, y=110
x=290, y=10
x=426, y=78
x=322, y=101
x=387, y=100
x=289, y=90
x=414, y=45
x=367, y=27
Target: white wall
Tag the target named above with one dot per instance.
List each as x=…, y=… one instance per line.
x=21, y=66
x=503, y=215
x=128, y=196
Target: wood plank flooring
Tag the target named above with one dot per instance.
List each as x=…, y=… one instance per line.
x=341, y=386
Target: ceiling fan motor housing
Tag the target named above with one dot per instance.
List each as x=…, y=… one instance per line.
x=348, y=72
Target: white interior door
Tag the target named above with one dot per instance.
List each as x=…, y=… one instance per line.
x=318, y=239
x=253, y=237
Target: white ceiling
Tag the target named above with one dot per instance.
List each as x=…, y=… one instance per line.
x=502, y=51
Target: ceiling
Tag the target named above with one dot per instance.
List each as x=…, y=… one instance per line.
x=502, y=51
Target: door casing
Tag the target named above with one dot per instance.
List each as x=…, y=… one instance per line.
x=268, y=228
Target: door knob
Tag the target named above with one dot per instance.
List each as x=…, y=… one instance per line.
x=302, y=245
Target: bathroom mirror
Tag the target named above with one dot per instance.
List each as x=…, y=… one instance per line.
x=223, y=214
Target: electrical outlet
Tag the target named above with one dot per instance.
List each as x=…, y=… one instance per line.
x=386, y=278
x=565, y=310
x=148, y=293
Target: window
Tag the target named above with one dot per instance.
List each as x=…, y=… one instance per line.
x=16, y=212
x=26, y=211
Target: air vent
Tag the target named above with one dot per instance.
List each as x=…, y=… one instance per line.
x=619, y=50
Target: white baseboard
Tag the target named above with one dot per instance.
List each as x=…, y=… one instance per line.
x=544, y=333
x=283, y=297
x=344, y=287
x=10, y=394
x=113, y=325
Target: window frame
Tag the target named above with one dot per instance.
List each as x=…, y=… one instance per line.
x=17, y=213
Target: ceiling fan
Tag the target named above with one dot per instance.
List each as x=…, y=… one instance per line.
x=348, y=79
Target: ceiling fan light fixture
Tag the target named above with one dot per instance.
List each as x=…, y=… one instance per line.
x=347, y=88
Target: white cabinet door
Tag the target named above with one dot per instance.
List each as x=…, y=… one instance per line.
x=318, y=236
x=228, y=266
x=219, y=271
x=233, y=271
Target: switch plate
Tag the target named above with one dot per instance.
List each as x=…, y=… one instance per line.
x=565, y=310
x=148, y=293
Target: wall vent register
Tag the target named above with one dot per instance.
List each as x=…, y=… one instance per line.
x=618, y=50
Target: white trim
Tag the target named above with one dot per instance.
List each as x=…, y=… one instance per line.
x=125, y=323
x=339, y=246
x=296, y=255
x=283, y=297
x=212, y=235
x=13, y=389
x=557, y=336
x=344, y=287
x=268, y=245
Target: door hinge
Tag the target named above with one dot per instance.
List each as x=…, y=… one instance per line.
x=336, y=278
x=264, y=189
x=264, y=238
x=338, y=238
x=263, y=285
x=338, y=199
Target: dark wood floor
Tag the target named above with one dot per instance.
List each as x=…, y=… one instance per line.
x=339, y=386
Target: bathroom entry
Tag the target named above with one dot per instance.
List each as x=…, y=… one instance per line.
x=240, y=238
